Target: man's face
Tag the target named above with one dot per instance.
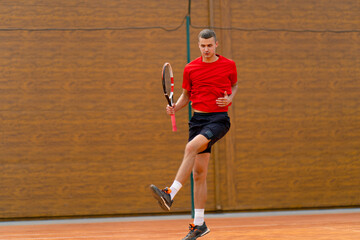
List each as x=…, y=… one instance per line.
x=207, y=49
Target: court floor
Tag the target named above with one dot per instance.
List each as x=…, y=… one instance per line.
x=341, y=224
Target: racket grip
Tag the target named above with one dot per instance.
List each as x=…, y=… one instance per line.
x=173, y=122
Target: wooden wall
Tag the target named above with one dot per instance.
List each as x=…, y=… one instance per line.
x=83, y=127
x=296, y=138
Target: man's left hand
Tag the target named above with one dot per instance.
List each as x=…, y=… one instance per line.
x=223, y=101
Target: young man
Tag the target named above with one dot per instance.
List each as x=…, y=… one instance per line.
x=210, y=83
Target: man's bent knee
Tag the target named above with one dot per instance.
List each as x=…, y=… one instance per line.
x=190, y=148
x=198, y=144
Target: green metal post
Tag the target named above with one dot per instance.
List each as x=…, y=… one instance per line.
x=189, y=106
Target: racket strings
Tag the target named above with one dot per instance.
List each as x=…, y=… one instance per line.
x=169, y=85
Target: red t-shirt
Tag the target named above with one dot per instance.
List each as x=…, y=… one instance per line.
x=206, y=82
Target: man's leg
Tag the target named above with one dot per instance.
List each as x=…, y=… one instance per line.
x=198, y=144
x=200, y=168
x=165, y=196
x=200, y=187
x=199, y=228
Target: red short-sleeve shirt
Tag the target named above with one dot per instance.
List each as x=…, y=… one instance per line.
x=206, y=82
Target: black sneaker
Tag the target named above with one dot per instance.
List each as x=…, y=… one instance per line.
x=163, y=197
x=196, y=231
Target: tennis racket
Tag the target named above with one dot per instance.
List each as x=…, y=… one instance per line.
x=168, y=86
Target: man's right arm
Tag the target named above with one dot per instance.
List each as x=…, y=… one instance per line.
x=181, y=103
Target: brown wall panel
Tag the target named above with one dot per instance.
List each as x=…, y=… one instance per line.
x=297, y=112
x=82, y=112
x=83, y=127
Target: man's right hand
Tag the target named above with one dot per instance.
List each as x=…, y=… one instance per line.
x=170, y=110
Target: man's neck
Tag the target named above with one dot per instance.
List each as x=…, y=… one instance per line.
x=213, y=59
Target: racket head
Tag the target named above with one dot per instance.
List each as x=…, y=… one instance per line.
x=168, y=83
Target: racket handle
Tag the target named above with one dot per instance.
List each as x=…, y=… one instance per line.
x=173, y=122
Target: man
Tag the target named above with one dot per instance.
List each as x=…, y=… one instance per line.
x=210, y=83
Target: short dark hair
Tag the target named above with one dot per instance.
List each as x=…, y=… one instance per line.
x=206, y=34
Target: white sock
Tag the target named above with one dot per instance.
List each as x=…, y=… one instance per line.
x=175, y=187
x=199, y=217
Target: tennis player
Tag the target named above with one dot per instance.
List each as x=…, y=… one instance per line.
x=210, y=83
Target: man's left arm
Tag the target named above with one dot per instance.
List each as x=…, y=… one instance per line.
x=227, y=99
x=234, y=89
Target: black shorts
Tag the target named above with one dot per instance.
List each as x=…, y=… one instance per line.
x=211, y=125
